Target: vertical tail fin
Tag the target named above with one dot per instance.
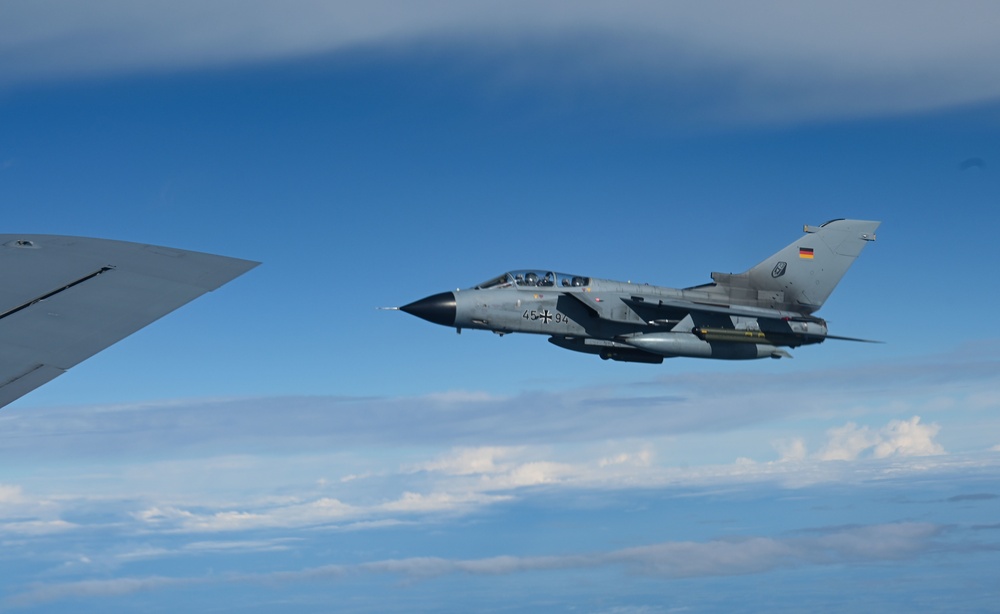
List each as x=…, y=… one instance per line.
x=801, y=276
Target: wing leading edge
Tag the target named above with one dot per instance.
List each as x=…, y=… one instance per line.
x=64, y=299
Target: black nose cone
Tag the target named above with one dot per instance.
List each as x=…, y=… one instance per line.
x=439, y=308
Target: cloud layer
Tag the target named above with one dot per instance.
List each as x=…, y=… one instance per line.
x=775, y=60
x=737, y=556
x=667, y=406
x=714, y=475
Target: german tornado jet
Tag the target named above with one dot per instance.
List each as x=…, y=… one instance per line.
x=755, y=314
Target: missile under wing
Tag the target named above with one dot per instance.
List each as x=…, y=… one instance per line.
x=755, y=314
x=63, y=299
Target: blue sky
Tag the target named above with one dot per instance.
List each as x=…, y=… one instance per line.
x=281, y=443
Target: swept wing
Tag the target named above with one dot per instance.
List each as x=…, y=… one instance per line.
x=64, y=299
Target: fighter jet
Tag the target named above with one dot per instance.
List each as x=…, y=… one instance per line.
x=64, y=299
x=735, y=317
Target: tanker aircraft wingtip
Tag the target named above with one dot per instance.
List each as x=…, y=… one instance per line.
x=64, y=299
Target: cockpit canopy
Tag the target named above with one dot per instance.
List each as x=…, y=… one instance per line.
x=534, y=278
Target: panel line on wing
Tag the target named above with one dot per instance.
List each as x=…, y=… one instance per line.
x=27, y=304
x=29, y=371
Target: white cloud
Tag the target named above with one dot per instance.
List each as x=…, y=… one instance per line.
x=30, y=514
x=677, y=559
x=908, y=438
x=531, y=474
x=642, y=458
x=772, y=58
x=411, y=502
x=847, y=442
x=791, y=450
x=208, y=546
x=457, y=482
x=468, y=461
x=501, y=468
x=454, y=454
x=898, y=438
x=10, y=494
x=231, y=431
x=467, y=480
x=36, y=527
x=319, y=511
x=324, y=511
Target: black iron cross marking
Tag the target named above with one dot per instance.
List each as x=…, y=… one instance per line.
x=545, y=316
